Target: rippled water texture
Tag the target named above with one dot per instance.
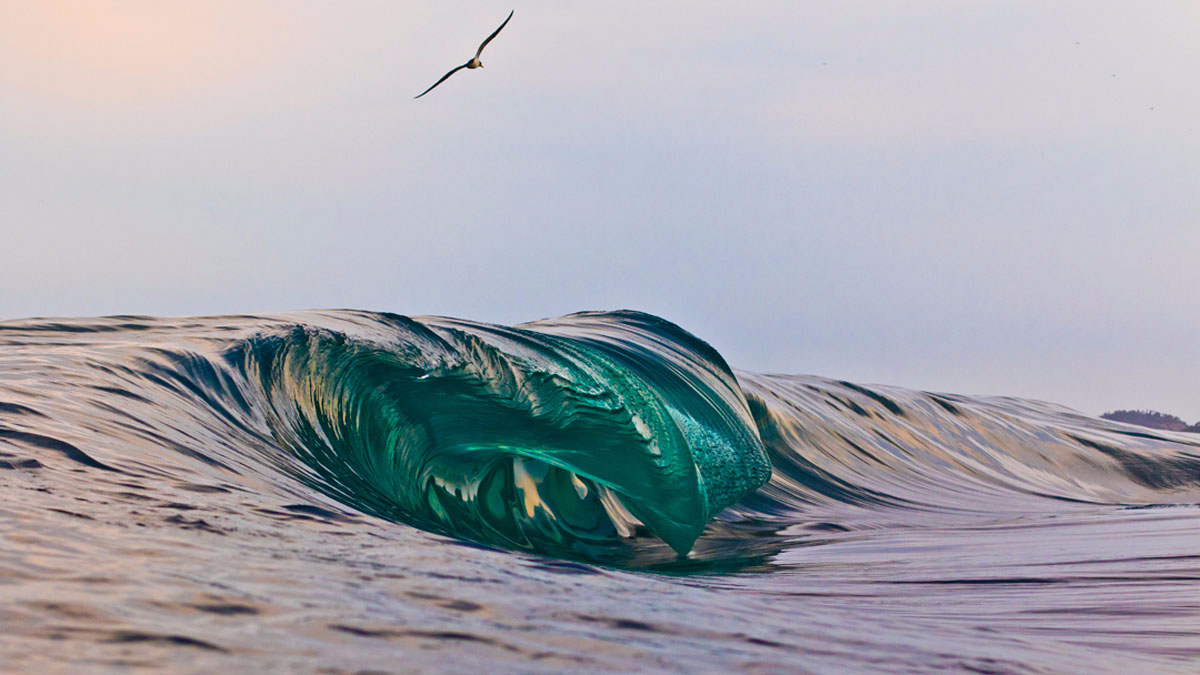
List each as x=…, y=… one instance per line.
x=345, y=490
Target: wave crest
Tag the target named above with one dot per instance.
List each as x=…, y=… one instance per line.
x=553, y=436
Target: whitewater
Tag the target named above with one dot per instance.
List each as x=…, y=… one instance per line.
x=341, y=491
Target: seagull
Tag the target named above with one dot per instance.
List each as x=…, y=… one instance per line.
x=473, y=63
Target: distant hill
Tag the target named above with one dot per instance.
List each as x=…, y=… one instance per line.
x=1151, y=419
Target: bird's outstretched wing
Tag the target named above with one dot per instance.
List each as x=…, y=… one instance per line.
x=435, y=84
x=497, y=32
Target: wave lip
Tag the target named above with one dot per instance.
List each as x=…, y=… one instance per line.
x=554, y=435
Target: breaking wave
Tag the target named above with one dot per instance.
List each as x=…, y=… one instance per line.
x=594, y=436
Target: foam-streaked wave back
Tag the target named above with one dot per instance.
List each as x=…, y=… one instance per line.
x=564, y=436
x=858, y=449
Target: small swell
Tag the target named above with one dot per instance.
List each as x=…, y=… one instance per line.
x=836, y=443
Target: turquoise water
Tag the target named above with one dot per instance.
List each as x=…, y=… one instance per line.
x=350, y=491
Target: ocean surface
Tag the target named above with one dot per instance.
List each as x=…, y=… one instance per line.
x=345, y=491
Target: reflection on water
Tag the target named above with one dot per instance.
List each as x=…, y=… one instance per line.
x=155, y=513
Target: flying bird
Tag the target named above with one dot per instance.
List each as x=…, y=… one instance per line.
x=473, y=63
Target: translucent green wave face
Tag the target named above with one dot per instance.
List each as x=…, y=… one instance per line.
x=556, y=436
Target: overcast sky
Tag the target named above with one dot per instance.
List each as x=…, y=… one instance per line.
x=973, y=197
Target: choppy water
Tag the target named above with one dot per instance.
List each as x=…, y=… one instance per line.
x=346, y=491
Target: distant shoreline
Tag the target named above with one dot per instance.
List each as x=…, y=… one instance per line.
x=1152, y=419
